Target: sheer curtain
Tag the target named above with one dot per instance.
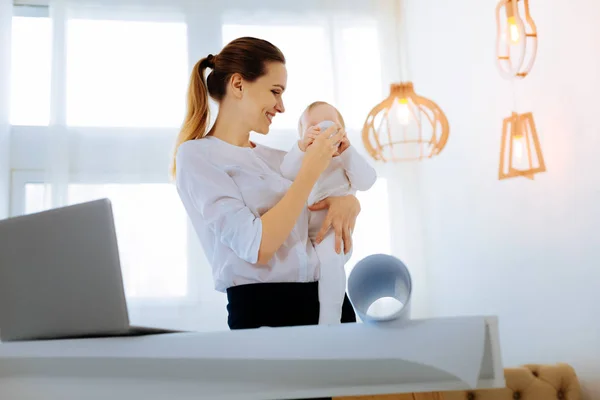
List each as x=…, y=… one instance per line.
x=98, y=95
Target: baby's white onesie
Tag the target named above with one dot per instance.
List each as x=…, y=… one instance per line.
x=345, y=174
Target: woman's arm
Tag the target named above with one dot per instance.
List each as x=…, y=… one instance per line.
x=342, y=214
x=279, y=221
x=211, y=197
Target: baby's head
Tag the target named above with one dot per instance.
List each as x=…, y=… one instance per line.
x=317, y=112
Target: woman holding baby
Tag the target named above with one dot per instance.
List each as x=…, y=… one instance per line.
x=251, y=217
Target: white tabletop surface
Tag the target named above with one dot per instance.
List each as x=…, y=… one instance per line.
x=420, y=355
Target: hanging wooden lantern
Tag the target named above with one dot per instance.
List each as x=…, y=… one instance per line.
x=516, y=38
x=405, y=127
x=521, y=153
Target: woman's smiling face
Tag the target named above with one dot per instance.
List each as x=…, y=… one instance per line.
x=262, y=99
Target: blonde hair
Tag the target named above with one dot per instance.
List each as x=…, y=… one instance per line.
x=315, y=104
x=246, y=56
x=198, y=112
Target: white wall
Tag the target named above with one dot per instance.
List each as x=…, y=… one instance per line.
x=527, y=251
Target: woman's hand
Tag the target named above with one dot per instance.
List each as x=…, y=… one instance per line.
x=319, y=153
x=278, y=222
x=342, y=214
x=308, y=137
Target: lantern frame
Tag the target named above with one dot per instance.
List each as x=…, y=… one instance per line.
x=509, y=67
x=517, y=126
x=418, y=106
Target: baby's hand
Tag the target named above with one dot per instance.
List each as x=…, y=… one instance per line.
x=309, y=136
x=344, y=144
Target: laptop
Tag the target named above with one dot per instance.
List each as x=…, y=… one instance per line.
x=60, y=276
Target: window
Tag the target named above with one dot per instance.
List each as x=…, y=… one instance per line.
x=126, y=73
x=350, y=47
x=359, y=80
x=308, y=61
x=151, y=229
x=30, y=71
x=122, y=80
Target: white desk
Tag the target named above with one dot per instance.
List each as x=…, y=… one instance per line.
x=299, y=362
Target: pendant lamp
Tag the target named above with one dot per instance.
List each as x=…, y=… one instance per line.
x=516, y=46
x=516, y=38
x=521, y=153
x=405, y=126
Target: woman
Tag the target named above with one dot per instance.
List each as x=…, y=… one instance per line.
x=251, y=221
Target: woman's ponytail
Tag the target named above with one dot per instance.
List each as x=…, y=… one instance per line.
x=246, y=56
x=197, y=116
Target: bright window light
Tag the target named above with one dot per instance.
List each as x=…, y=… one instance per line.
x=310, y=71
x=151, y=229
x=126, y=73
x=358, y=90
x=31, y=53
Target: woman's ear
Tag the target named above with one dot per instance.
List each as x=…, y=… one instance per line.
x=236, y=85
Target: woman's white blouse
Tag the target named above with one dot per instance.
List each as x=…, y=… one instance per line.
x=225, y=189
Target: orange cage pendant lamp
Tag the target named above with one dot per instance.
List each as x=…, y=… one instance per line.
x=516, y=38
x=405, y=127
x=521, y=153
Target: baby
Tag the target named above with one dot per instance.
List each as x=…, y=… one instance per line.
x=347, y=173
